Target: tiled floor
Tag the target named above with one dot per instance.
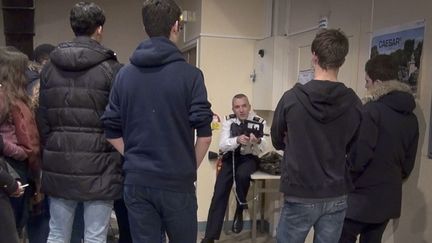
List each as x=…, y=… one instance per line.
x=243, y=237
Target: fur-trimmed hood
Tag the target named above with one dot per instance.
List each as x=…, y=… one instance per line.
x=383, y=88
x=394, y=94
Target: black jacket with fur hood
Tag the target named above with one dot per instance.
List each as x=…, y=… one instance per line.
x=384, y=154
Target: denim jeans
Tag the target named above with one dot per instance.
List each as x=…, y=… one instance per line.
x=38, y=226
x=297, y=219
x=96, y=218
x=151, y=209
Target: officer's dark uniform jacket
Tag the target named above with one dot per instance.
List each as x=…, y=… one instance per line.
x=78, y=162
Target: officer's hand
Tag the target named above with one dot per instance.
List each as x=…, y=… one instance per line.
x=253, y=139
x=243, y=139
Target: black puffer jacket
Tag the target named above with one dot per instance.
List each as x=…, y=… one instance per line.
x=384, y=154
x=78, y=162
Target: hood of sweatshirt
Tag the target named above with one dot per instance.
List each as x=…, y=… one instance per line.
x=80, y=54
x=156, y=51
x=393, y=94
x=325, y=100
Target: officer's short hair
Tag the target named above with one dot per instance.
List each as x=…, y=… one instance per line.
x=240, y=96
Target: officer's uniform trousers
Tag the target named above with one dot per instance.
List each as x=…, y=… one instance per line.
x=245, y=165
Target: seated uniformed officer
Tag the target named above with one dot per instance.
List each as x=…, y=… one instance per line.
x=241, y=149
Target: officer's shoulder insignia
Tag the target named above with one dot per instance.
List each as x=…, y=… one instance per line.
x=230, y=116
x=258, y=119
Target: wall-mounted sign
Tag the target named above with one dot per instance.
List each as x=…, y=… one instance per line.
x=404, y=43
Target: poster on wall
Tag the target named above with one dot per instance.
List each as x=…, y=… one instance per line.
x=305, y=76
x=404, y=43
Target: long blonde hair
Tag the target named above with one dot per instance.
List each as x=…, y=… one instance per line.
x=13, y=65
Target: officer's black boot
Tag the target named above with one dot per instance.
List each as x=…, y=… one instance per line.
x=237, y=226
x=207, y=240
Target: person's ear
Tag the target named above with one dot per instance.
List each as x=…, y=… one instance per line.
x=176, y=27
x=99, y=30
x=314, y=59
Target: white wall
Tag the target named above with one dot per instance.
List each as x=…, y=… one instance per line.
x=246, y=19
x=123, y=29
x=226, y=64
x=192, y=27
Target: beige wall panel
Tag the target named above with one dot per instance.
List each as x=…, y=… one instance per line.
x=242, y=18
x=226, y=64
x=192, y=27
x=304, y=57
x=123, y=29
x=304, y=16
x=348, y=71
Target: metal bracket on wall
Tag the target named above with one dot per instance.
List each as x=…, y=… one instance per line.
x=252, y=76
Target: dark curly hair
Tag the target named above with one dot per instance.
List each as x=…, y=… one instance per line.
x=85, y=18
x=159, y=16
x=382, y=67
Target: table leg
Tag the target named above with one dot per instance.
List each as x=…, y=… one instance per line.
x=226, y=226
x=254, y=207
x=262, y=204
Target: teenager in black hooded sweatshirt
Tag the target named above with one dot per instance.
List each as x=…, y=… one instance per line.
x=315, y=124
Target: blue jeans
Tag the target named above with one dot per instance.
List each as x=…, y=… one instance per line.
x=38, y=226
x=96, y=219
x=151, y=209
x=297, y=219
